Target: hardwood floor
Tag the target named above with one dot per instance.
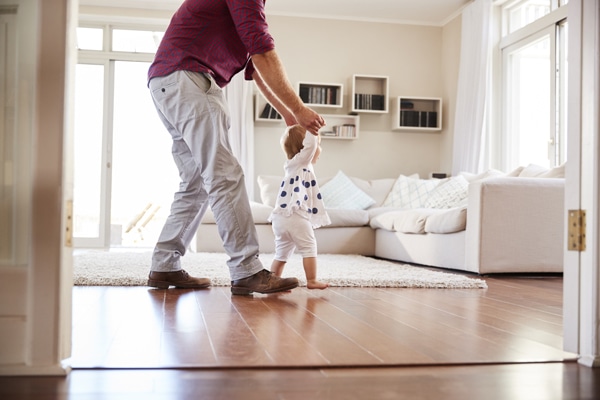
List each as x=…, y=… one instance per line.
x=504, y=342
x=514, y=320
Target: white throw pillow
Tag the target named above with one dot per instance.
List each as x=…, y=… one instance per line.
x=269, y=188
x=448, y=194
x=556, y=172
x=471, y=177
x=410, y=192
x=377, y=189
x=533, y=170
x=340, y=192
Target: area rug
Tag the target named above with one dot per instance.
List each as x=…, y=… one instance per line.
x=96, y=268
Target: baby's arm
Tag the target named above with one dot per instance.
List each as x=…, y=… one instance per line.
x=305, y=156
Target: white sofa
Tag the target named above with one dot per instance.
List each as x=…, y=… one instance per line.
x=488, y=223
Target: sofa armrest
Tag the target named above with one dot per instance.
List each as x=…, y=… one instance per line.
x=515, y=225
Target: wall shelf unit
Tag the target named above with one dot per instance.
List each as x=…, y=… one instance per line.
x=370, y=94
x=321, y=94
x=339, y=126
x=263, y=111
x=417, y=113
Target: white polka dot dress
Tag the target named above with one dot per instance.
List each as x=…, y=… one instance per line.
x=299, y=191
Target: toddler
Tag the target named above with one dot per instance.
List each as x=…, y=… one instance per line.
x=299, y=208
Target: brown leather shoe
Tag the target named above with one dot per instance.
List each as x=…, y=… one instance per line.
x=262, y=282
x=180, y=279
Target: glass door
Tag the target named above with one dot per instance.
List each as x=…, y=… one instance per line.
x=124, y=177
x=144, y=176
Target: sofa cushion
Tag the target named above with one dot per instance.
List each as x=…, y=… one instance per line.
x=407, y=221
x=448, y=194
x=422, y=220
x=347, y=218
x=447, y=221
x=409, y=192
x=341, y=193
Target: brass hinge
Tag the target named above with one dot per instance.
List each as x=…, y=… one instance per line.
x=576, y=230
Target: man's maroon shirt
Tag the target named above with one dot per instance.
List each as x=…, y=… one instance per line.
x=213, y=36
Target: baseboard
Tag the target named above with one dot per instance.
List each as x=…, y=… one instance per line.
x=589, y=361
x=27, y=370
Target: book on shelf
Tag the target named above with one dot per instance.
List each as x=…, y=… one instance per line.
x=326, y=95
x=418, y=119
x=269, y=112
x=369, y=101
x=344, y=130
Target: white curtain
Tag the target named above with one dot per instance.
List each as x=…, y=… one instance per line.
x=241, y=133
x=472, y=92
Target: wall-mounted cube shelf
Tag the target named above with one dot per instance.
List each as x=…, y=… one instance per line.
x=417, y=113
x=321, y=94
x=370, y=94
x=340, y=126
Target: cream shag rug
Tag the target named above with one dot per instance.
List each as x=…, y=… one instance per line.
x=96, y=268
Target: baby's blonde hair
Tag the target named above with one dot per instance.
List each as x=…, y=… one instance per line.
x=292, y=140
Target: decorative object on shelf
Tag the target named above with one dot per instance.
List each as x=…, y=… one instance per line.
x=417, y=113
x=321, y=94
x=370, y=93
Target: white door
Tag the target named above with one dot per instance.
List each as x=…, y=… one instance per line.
x=581, y=274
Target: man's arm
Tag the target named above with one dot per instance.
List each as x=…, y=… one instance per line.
x=272, y=81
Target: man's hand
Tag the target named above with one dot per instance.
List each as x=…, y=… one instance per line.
x=310, y=120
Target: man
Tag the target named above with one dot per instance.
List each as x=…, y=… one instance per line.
x=205, y=45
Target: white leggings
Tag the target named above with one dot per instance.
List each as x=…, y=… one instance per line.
x=293, y=232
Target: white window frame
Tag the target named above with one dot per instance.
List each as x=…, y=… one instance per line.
x=500, y=140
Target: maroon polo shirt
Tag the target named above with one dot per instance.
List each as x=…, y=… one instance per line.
x=213, y=36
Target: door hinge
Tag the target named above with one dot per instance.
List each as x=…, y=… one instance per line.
x=69, y=224
x=576, y=230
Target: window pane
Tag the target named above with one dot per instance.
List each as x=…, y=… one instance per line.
x=89, y=38
x=89, y=101
x=560, y=155
x=529, y=104
x=525, y=12
x=136, y=41
x=144, y=176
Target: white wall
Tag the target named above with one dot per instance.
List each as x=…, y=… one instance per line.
x=417, y=60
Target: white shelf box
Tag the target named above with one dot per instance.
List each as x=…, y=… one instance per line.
x=321, y=94
x=417, y=114
x=370, y=94
x=338, y=126
x=263, y=111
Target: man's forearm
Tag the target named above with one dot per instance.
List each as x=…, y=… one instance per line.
x=287, y=115
x=273, y=75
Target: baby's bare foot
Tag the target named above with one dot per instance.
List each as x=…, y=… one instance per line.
x=316, y=285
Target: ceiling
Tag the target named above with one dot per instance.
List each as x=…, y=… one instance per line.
x=421, y=12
